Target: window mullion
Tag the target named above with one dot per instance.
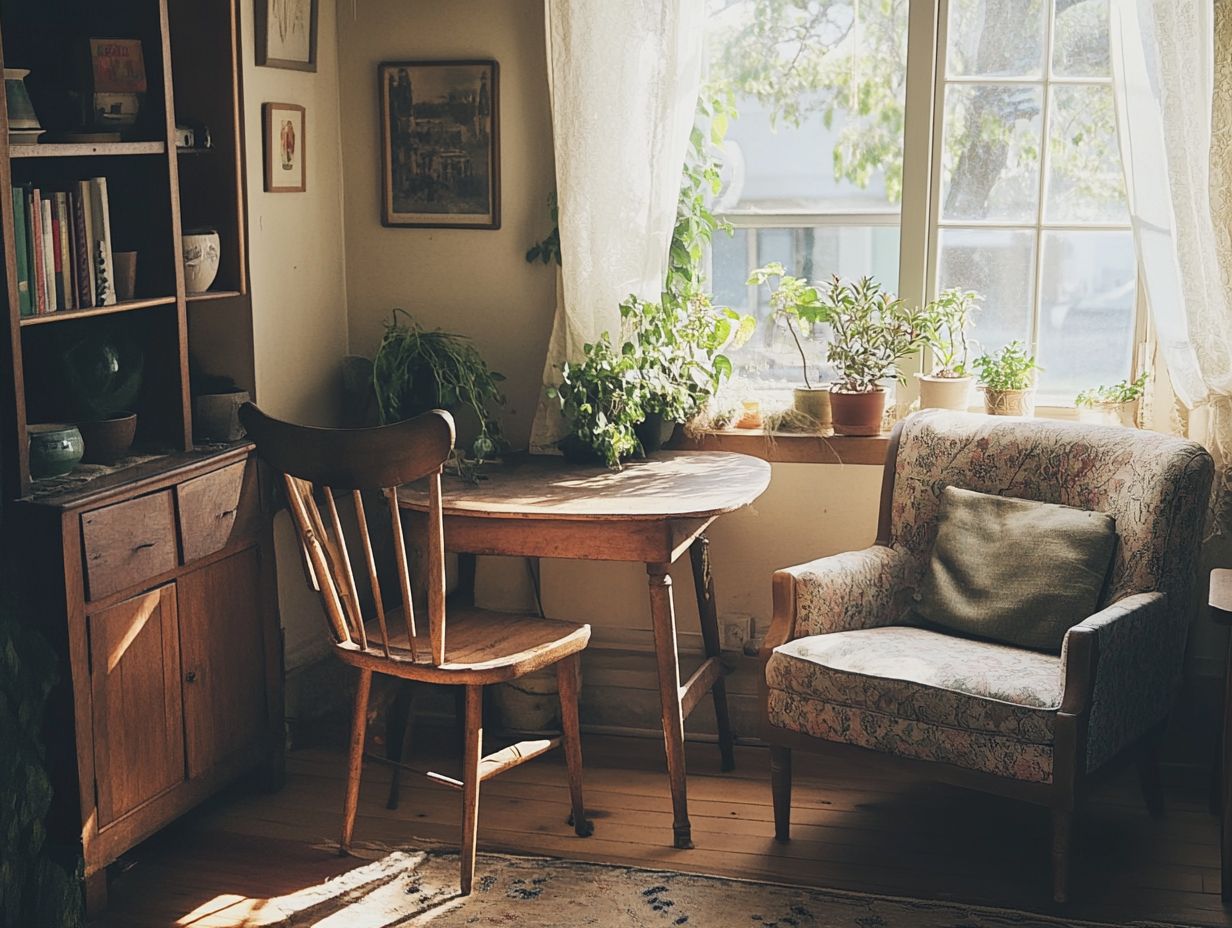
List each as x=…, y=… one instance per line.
x=1037, y=301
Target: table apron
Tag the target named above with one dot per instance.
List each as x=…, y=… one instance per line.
x=646, y=541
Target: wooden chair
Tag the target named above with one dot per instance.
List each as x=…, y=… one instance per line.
x=479, y=648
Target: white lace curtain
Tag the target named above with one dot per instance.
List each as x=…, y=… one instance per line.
x=623, y=79
x=1172, y=80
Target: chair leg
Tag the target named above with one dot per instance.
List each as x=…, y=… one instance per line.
x=399, y=725
x=780, y=786
x=1062, y=828
x=567, y=682
x=355, y=760
x=1148, y=773
x=472, y=753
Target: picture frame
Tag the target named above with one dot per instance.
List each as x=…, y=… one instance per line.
x=286, y=151
x=440, y=144
x=286, y=34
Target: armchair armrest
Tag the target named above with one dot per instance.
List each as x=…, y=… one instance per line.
x=855, y=589
x=1122, y=667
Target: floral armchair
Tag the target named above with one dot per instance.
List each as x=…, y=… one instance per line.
x=840, y=667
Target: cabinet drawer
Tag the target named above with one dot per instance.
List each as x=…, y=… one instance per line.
x=128, y=542
x=216, y=508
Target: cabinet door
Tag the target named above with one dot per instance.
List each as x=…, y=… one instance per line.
x=135, y=684
x=224, y=659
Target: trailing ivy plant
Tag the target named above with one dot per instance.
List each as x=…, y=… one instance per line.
x=1011, y=368
x=1124, y=392
x=35, y=888
x=416, y=370
x=871, y=331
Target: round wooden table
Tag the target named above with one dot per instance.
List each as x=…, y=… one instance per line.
x=651, y=511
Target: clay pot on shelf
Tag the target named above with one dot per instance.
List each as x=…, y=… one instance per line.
x=858, y=413
x=55, y=449
x=944, y=392
x=109, y=439
x=202, y=253
x=216, y=416
x=1009, y=402
x=814, y=405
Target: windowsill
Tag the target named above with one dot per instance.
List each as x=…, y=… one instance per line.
x=791, y=447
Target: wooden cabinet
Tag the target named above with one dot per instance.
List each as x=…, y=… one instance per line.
x=160, y=594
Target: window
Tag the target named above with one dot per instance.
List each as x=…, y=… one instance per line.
x=1025, y=201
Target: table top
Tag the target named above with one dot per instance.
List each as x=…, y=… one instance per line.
x=667, y=485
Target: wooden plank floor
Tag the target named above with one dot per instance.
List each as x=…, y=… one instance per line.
x=856, y=827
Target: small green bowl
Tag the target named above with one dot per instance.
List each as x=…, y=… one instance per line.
x=55, y=449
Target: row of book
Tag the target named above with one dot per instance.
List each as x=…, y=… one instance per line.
x=64, y=257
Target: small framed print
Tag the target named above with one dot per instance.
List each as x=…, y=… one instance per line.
x=440, y=144
x=286, y=34
x=286, y=148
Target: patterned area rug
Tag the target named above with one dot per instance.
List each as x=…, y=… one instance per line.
x=420, y=888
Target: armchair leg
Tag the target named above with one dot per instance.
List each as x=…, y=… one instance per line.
x=1148, y=773
x=780, y=786
x=1062, y=827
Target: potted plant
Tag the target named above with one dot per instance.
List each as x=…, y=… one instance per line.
x=602, y=398
x=795, y=302
x=1114, y=405
x=1007, y=378
x=947, y=320
x=416, y=370
x=871, y=331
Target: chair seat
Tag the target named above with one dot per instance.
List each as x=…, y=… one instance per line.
x=923, y=694
x=480, y=646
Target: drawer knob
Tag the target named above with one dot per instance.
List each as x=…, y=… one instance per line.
x=190, y=677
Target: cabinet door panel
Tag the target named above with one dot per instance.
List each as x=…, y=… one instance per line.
x=224, y=659
x=135, y=685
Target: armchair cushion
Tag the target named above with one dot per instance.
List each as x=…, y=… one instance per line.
x=1016, y=571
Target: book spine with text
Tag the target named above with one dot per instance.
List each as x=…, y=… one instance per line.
x=49, y=256
x=21, y=244
x=85, y=243
x=104, y=285
x=65, y=252
x=38, y=270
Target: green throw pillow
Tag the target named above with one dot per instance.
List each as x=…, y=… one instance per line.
x=1015, y=571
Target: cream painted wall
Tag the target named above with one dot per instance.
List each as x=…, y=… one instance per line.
x=296, y=259
x=473, y=282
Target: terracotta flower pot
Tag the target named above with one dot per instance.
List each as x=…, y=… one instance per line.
x=1009, y=402
x=858, y=413
x=813, y=403
x=944, y=392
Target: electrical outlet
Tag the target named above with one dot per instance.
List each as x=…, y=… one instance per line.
x=737, y=630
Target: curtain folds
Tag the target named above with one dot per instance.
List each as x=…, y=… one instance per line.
x=1172, y=81
x=623, y=80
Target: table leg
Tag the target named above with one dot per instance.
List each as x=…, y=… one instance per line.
x=703, y=582
x=663, y=618
x=1225, y=806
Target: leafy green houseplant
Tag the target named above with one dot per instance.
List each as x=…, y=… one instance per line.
x=796, y=304
x=1114, y=405
x=603, y=398
x=947, y=321
x=416, y=370
x=871, y=331
x=1007, y=377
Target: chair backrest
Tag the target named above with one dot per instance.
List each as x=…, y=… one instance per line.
x=318, y=463
x=1154, y=485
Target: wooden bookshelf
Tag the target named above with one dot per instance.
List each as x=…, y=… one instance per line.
x=171, y=546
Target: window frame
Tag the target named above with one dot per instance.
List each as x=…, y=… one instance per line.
x=919, y=219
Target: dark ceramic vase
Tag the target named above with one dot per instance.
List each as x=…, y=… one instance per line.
x=55, y=449
x=107, y=440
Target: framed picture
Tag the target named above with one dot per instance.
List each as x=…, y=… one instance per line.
x=285, y=148
x=287, y=34
x=440, y=151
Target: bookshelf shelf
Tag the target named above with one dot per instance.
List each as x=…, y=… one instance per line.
x=212, y=295
x=87, y=149
x=124, y=307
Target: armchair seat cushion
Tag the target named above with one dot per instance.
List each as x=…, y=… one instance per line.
x=923, y=694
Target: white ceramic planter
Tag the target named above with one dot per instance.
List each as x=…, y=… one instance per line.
x=202, y=253
x=944, y=392
x=1125, y=414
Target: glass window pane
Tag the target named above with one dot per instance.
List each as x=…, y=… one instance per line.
x=991, y=157
x=1087, y=308
x=729, y=269
x=996, y=38
x=1080, y=45
x=999, y=264
x=1085, y=179
x=820, y=90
